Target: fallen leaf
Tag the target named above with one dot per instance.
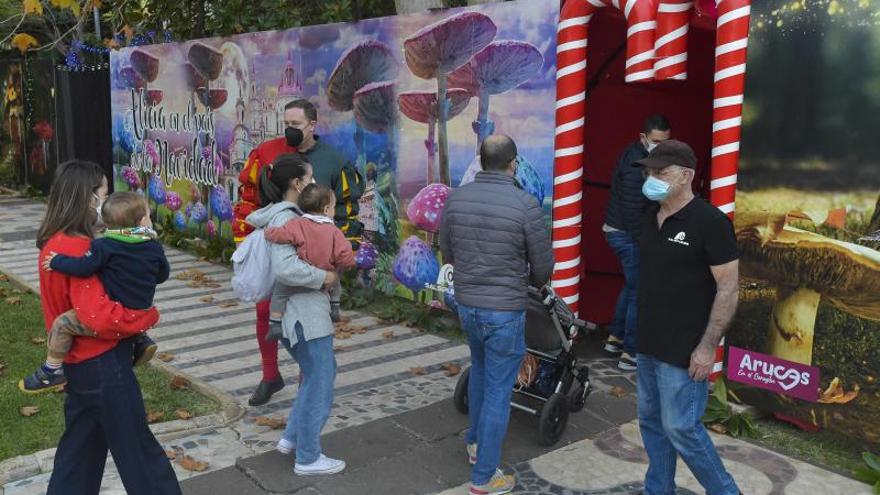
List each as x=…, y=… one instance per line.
x=4, y=277
x=165, y=357
x=388, y=335
x=341, y=335
x=179, y=383
x=154, y=416
x=618, y=392
x=271, y=421
x=452, y=369
x=718, y=428
x=207, y=299
x=358, y=330
x=14, y=301
x=835, y=393
x=183, y=414
x=38, y=340
x=228, y=304
x=28, y=411
x=418, y=370
x=190, y=464
x=336, y=348
x=171, y=454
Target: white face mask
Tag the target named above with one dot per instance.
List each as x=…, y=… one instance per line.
x=99, y=203
x=650, y=146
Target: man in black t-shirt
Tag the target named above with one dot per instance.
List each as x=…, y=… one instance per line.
x=687, y=298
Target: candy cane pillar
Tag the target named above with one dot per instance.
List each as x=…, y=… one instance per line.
x=731, y=41
x=671, y=45
x=571, y=83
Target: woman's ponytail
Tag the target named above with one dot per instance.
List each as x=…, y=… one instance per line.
x=275, y=178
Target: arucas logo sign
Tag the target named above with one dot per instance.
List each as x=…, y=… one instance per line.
x=774, y=374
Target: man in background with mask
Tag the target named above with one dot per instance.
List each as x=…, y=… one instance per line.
x=687, y=298
x=623, y=218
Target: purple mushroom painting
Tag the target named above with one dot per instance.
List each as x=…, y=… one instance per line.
x=366, y=256
x=425, y=211
x=205, y=64
x=421, y=106
x=374, y=108
x=147, y=67
x=500, y=67
x=416, y=265
x=436, y=50
x=365, y=63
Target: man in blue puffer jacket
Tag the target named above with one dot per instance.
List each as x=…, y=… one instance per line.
x=623, y=219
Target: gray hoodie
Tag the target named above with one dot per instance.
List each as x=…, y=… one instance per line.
x=307, y=303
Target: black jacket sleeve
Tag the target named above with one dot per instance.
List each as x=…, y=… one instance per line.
x=632, y=202
x=164, y=267
x=82, y=266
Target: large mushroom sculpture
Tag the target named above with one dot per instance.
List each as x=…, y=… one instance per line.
x=367, y=62
x=498, y=68
x=806, y=268
x=436, y=50
x=421, y=106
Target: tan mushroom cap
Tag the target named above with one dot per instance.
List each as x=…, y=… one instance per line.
x=846, y=274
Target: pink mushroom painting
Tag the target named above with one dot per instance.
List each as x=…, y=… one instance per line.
x=146, y=64
x=373, y=107
x=421, y=106
x=436, y=50
x=425, y=211
x=205, y=65
x=500, y=67
x=367, y=62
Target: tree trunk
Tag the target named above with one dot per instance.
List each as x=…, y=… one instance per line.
x=414, y=6
x=874, y=226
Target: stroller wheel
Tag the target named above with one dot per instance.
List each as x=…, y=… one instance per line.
x=578, y=397
x=460, y=398
x=554, y=417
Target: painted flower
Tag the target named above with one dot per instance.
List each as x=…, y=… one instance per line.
x=220, y=204
x=211, y=228
x=198, y=213
x=156, y=190
x=179, y=221
x=131, y=178
x=151, y=151
x=366, y=256
x=172, y=200
x=416, y=265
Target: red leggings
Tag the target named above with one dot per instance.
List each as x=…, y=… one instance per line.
x=268, y=349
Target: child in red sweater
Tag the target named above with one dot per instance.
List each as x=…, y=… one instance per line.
x=318, y=242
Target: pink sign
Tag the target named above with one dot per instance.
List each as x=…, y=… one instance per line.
x=774, y=374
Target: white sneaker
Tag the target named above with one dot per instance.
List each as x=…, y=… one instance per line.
x=472, y=453
x=285, y=447
x=324, y=465
x=614, y=345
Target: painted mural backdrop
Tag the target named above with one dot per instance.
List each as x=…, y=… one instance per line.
x=186, y=115
x=808, y=208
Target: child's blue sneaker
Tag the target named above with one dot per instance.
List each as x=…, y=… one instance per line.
x=41, y=381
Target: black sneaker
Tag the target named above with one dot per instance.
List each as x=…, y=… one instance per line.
x=276, y=331
x=335, y=316
x=40, y=382
x=144, y=350
x=265, y=391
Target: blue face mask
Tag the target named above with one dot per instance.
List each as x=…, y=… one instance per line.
x=655, y=189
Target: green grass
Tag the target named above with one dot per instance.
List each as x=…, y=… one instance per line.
x=825, y=448
x=19, y=324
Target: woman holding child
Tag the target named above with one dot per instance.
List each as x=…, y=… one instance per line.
x=103, y=408
x=303, y=308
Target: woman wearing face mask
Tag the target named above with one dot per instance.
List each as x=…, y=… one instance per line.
x=103, y=408
x=306, y=325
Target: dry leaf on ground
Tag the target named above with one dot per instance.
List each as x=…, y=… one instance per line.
x=28, y=411
x=618, y=392
x=179, y=383
x=337, y=348
x=14, y=301
x=38, y=340
x=418, y=370
x=358, y=330
x=190, y=464
x=271, y=421
x=4, y=277
x=388, y=335
x=183, y=414
x=207, y=299
x=452, y=369
x=171, y=454
x=165, y=357
x=342, y=335
x=228, y=304
x=154, y=416
x=718, y=428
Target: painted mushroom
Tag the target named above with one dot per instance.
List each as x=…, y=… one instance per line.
x=132, y=78
x=807, y=267
x=416, y=265
x=425, y=211
x=206, y=60
x=366, y=256
x=367, y=62
x=421, y=106
x=146, y=64
x=374, y=108
x=500, y=67
x=440, y=48
x=194, y=78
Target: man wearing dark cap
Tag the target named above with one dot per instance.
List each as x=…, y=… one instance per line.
x=687, y=298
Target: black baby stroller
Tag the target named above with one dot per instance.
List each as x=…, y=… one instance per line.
x=551, y=328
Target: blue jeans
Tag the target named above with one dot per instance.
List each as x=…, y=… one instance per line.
x=626, y=312
x=311, y=408
x=497, y=343
x=671, y=406
x=104, y=410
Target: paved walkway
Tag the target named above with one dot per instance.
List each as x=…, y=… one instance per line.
x=399, y=432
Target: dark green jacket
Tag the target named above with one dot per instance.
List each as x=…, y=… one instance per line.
x=333, y=170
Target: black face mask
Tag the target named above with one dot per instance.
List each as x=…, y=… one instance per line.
x=294, y=136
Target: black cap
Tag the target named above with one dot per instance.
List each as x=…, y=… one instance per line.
x=670, y=152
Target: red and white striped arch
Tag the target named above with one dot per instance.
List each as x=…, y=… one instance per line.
x=656, y=49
